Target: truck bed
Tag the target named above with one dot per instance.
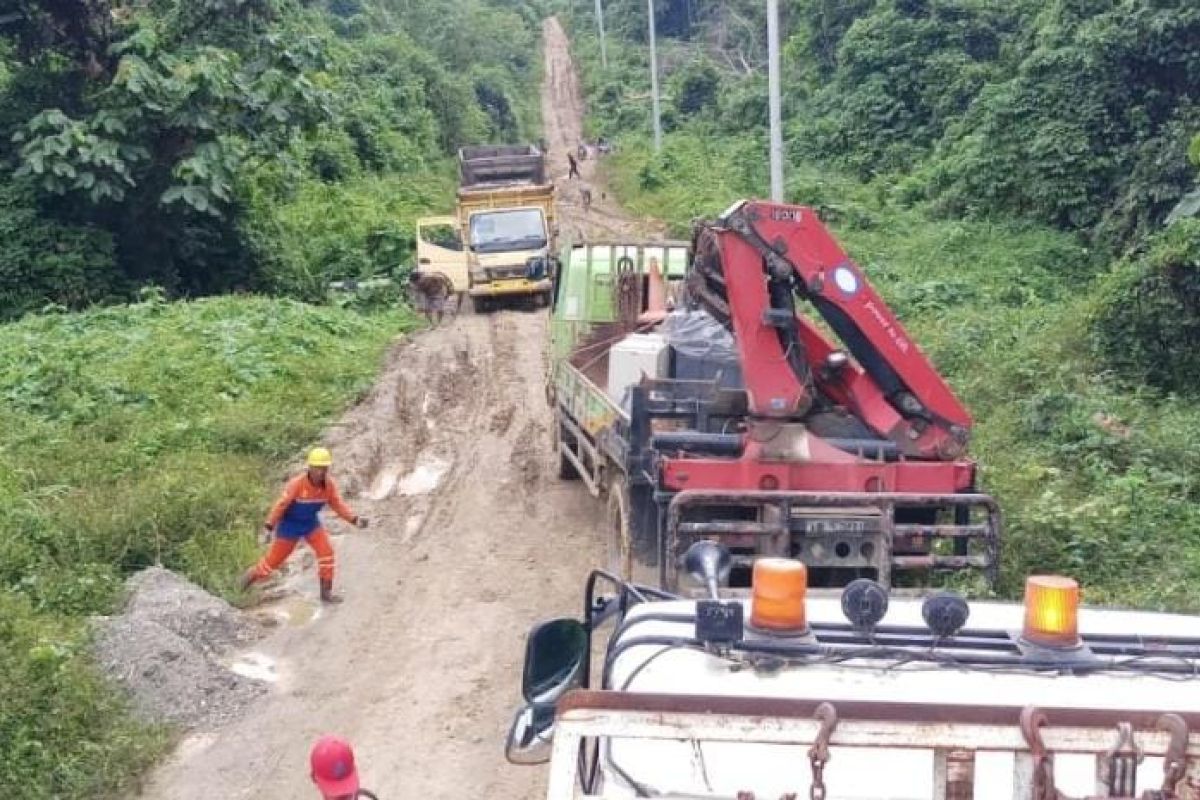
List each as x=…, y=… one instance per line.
x=586, y=400
x=585, y=325
x=499, y=165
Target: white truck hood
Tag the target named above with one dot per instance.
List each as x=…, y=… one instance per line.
x=770, y=771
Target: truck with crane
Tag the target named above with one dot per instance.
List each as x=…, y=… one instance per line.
x=499, y=242
x=689, y=392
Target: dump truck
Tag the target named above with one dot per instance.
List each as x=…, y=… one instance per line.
x=499, y=242
x=689, y=393
x=793, y=693
x=506, y=215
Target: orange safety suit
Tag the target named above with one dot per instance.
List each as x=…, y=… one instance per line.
x=295, y=517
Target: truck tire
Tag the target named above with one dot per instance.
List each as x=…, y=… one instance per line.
x=622, y=554
x=566, y=470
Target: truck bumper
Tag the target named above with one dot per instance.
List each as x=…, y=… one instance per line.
x=837, y=530
x=510, y=286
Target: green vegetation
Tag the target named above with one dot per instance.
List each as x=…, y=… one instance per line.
x=173, y=149
x=1002, y=173
x=180, y=144
x=1075, y=114
x=138, y=435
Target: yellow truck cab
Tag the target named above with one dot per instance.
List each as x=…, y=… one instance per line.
x=506, y=219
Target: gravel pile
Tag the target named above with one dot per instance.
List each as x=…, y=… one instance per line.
x=166, y=649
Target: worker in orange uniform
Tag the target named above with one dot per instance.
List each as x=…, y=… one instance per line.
x=333, y=771
x=295, y=517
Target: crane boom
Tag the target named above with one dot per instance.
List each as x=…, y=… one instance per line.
x=750, y=268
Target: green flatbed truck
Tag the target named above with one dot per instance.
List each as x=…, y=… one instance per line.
x=601, y=291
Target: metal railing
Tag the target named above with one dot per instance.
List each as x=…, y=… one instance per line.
x=784, y=525
x=954, y=734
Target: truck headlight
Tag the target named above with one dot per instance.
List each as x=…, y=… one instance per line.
x=535, y=268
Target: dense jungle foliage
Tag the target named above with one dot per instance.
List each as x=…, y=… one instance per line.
x=238, y=145
x=168, y=149
x=1004, y=172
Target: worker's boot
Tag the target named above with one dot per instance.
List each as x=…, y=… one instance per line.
x=327, y=595
x=247, y=579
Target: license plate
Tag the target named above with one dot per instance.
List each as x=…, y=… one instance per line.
x=825, y=527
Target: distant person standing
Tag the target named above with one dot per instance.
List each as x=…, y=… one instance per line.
x=573, y=165
x=295, y=518
x=430, y=291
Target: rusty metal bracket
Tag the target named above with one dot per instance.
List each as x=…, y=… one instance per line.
x=1175, y=761
x=818, y=754
x=1118, y=771
x=1032, y=722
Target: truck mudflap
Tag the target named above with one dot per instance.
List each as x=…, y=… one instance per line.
x=847, y=534
x=857, y=731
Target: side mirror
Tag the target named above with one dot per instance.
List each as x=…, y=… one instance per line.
x=531, y=735
x=554, y=658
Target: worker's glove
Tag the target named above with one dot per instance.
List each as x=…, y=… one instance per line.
x=361, y=522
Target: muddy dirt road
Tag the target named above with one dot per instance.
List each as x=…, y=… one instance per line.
x=562, y=115
x=473, y=539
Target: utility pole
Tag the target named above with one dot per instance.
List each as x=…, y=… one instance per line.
x=600, y=25
x=776, y=108
x=654, y=81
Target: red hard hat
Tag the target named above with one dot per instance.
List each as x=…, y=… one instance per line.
x=333, y=769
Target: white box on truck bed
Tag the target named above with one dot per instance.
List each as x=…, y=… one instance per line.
x=634, y=356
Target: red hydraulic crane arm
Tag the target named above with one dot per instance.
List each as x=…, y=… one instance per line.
x=769, y=253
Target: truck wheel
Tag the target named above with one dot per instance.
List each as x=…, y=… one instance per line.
x=566, y=470
x=623, y=559
x=620, y=537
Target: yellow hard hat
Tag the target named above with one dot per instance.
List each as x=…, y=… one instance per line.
x=320, y=457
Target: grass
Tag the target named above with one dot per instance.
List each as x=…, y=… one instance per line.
x=136, y=435
x=1097, y=479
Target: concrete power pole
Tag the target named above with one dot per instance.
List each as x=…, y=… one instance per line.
x=600, y=25
x=776, y=110
x=654, y=81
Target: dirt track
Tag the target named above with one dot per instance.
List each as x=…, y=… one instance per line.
x=473, y=541
x=562, y=115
